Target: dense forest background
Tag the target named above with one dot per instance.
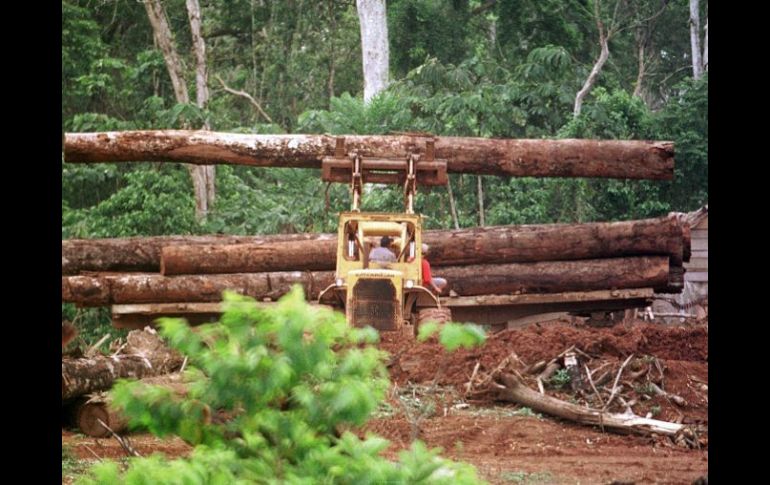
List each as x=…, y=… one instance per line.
x=505, y=68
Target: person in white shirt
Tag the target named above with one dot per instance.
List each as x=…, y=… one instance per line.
x=382, y=253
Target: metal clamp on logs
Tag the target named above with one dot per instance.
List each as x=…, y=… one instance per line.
x=413, y=169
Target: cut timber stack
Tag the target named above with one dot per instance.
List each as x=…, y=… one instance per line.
x=486, y=261
x=292, y=252
x=543, y=277
x=144, y=355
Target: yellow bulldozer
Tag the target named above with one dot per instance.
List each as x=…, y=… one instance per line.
x=386, y=295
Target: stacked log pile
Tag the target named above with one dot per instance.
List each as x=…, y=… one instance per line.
x=84, y=379
x=494, y=260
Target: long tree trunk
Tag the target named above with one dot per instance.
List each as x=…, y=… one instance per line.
x=145, y=355
x=503, y=157
x=604, y=54
x=165, y=39
x=142, y=254
x=452, y=206
x=480, y=195
x=208, y=173
x=697, y=62
x=544, y=277
x=504, y=244
x=706, y=47
x=641, y=42
x=374, y=46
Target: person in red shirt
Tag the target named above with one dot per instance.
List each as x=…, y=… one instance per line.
x=428, y=281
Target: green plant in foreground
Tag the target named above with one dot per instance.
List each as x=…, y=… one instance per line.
x=271, y=388
x=560, y=379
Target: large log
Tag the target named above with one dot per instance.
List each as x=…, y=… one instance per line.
x=542, y=277
x=103, y=290
x=504, y=244
x=496, y=244
x=557, y=276
x=143, y=253
x=521, y=158
x=99, y=407
x=145, y=355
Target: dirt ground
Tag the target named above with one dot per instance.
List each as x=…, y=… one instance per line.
x=512, y=445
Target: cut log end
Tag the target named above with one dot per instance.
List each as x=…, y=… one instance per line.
x=88, y=417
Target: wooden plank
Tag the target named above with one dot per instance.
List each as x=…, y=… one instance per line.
x=537, y=298
x=701, y=276
x=703, y=253
x=700, y=244
x=540, y=317
x=699, y=234
x=703, y=224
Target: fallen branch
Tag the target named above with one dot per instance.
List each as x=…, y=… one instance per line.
x=591, y=382
x=678, y=400
x=123, y=442
x=517, y=392
x=615, y=385
x=469, y=385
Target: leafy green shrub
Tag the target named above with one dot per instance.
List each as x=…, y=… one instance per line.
x=453, y=335
x=560, y=379
x=272, y=391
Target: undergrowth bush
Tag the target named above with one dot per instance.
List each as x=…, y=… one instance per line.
x=273, y=394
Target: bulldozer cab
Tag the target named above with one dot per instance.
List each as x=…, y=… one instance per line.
x=381, y=294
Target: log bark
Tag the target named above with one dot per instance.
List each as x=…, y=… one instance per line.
x=103, y=290
x=249, y=258
x=519, y=158
x=89, y=414
x=504, y=244
x=516, y=391
x=144, y=355
x=500, y=244
x=557, y=276
x=542, y=277
x=90, y=411
x=142, y=254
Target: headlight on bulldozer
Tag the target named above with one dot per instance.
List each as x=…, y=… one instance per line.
x=409, y=283
x=339, y=281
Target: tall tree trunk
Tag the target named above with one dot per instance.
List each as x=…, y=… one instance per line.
x=374, y=46
x=452, y=206
x=480, y=187
x=208, y=172
x=706, y=47
x=332, y=53
x=641, y=41
x=598, y=65
x=162, y=34
x=697, y=63
x=165, y=40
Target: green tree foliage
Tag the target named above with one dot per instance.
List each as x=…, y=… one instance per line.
x=422, y=29
x=509, y=68
x=272, y=396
